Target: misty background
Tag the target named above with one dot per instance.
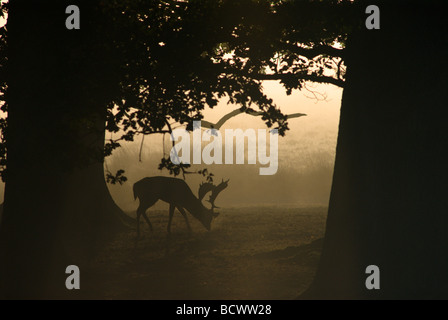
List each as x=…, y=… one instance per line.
x=305, y=157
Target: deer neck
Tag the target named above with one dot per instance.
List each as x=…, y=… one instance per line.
x=197, y=210
x=195, y=207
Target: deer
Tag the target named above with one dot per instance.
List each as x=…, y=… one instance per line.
x=177, y=194
x=204, y=188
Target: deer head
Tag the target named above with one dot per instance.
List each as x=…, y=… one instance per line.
x=207, y=218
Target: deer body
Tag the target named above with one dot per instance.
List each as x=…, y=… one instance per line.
x=174, y=191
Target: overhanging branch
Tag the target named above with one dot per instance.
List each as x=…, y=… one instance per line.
x=307, y=77
x=315, y=51
x=218, y=125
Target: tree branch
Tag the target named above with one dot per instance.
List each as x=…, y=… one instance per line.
x=307, y=77
x=313, y=52
x=218, y=125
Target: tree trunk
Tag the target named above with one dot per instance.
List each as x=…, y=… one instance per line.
x=57, y=206
x=388, y=204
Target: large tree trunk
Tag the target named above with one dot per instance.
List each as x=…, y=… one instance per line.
x=388, y=203
x=57, y=206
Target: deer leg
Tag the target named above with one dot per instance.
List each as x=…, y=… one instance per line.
x=138, y=221
x=147, y=220
x=182, y=211
x=141, y=211
x=170, y=217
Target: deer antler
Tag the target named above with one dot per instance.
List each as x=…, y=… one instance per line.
x=204, y=188
x=216, y=190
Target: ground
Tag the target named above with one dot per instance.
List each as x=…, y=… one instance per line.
x=250, y=253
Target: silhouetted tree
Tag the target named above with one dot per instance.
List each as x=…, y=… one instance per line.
x=134, y=66
x=388, y=203
x=139, y=65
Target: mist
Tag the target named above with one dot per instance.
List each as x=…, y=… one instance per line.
x=306, y=155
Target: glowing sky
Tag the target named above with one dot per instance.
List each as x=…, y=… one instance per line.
x=306, y=154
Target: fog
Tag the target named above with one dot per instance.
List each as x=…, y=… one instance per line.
x=305, y=156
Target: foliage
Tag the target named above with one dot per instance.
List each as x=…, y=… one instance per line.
x=163, y=62
x=3, y=87
x=118, y=177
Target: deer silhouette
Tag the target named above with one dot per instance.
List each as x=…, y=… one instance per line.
x=178, y=194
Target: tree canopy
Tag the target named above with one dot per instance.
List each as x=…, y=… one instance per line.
x=155, y=63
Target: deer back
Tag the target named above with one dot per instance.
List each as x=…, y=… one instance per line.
x=171, y=190
x=176, y=192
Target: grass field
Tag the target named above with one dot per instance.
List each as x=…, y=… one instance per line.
x=250, y=253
